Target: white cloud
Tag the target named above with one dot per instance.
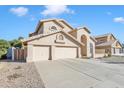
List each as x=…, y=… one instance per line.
x=19, y=11
x=119, y=19
x=109, y=13
x=55, y=10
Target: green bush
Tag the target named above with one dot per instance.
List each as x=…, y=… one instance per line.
x=4, y=45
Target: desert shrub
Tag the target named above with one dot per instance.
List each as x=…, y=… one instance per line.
x=4, y=45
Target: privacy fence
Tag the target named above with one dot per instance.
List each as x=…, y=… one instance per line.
x=17, y=54
x=20, y=54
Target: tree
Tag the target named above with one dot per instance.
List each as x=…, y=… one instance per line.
x=4, y=45
x=20, y=38
x=16, y=42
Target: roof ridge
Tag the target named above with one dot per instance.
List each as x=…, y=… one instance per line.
x=43, y=35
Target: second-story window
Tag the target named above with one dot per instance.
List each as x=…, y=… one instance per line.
x=53, y=28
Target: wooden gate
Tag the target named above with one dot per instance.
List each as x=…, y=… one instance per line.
x=20, y=54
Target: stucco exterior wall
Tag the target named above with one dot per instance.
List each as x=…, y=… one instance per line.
x=30, y=53
x=113, y=48
x=81, y=32
x=66, y=28
x=41, y=29
x=47, y=47
x=50, y=40
x=47, y=25
x=116, y=48
x=116, y=45
x=111, y=38
x=74, y=34
x=102, y=51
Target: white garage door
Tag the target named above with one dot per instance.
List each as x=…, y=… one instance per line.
x=65, y=52
x=117, y=51
x=41, y=53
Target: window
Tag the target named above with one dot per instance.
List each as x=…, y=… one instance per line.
x=53, y=28
x=91, y=48
x=61, y=37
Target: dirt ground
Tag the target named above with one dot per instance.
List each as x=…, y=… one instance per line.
x=19, y=75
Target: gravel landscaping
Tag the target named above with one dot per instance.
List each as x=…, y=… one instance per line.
x=19, y=75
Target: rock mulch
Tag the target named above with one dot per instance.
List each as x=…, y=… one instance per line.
x=19, y=75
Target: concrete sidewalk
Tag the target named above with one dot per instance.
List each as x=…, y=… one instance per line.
x=80, y=73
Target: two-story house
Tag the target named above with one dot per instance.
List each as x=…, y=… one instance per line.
x=107, y=44
x=57, y=39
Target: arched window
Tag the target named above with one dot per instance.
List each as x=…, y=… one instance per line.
x=61, y=37
x=53, y=28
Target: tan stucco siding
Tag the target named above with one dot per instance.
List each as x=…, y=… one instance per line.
x=46, y=48
x=73, y=33
x=49, y=24
x=50, y=40
x=30, y=53
x=81, y=32
x=66, y=28
x=40, y=31
x=116, y=45
x=102, y=51
x=110, y=37
x=116, y=48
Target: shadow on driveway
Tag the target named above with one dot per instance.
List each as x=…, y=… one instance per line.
x=6, y=60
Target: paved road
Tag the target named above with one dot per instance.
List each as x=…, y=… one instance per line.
x=81, y=73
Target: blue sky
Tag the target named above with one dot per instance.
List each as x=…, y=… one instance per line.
x=21, y=20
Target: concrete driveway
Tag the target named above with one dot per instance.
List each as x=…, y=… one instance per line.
x=80, y=73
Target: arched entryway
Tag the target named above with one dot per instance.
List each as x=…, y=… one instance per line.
x=84, y=48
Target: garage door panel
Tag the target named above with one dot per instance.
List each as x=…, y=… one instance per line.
x=41, y=53
x=65, y=52
x=117, y=51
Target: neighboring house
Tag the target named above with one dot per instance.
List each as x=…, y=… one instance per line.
x=107, y=44
x=56, y=39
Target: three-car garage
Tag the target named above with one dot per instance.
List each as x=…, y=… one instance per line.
x=54, y=52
